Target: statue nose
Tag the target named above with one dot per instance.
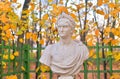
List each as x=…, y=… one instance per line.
x=61, y=28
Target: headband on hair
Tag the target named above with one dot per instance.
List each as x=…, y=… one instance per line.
x=66, y=17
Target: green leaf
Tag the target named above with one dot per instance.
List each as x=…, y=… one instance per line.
x=20, y=32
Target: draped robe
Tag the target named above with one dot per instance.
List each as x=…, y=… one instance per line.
x=65, y=60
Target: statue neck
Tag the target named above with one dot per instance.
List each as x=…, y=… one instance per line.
x=65, y=41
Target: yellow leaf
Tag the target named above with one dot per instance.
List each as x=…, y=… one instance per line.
x=50, y=1
x=109, y=53
x=12, y=57
x=13, y=27
x=16, y=53
x=22, y=67
x=53, y=20
x=16, y=63
x=73, y=15
x=21, y=40
x=5, y=39
x=106, y=1
x=3, y=18
x=91, y=52
x=38, y=68
x=34, y=37
x=111, y=5
x=99, y=2
x=114, y=42
x=97, y=33
x=45, y=16
x=5, y=57
x=14, y=1
x=19, y=5
x=32, y=6
x=6, y=27
x=42, y=41
x=20, y=32
x=74, y=37
x=114, y=12
x=28, y=35
x=62, y=9
x=106, y=41
x=106, y=16
x=44, y=68
x=100, y=12
x=90, y=63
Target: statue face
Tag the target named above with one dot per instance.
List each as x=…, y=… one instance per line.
x=64, y=31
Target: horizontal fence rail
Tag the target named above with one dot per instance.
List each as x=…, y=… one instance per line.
x=25, y=64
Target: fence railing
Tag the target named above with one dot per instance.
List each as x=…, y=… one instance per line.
x=24, y=65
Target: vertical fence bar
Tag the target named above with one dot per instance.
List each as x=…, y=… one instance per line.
x=85, y=70
x=19, y=48
x=98, y=60
x=1, y=52
x=9, y=61
x=38, y=56
x=110, y=59
x=26, y=62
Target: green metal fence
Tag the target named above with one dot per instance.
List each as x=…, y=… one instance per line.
x=28, y=60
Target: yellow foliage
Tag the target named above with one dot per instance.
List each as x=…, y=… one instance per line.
x=6, y=27
x=53, y=20
x=11, y=77
x=32, y=6
x=99, y=2
x=106, y=16
x=22, y=67
x=111, y=5
x=34, y=37
x=73, y=15
x=62, y=9
x=44, y=68
x=97, y=33
x=28, y=35
x=117, y=57
x=12, y=57
x=106, y=1
x=3, y=18
x=109, y=53
x=42, y=41
x=16, y=53
x=14, y=1
x=114, y=13
x=42, y=76
x=115, y=76
x=100, y=12
x=45, y=16
x=115, y=42
x=107, y=30
x=50, y=1
x=90, y=63
x=21, y=40
x=91, y=52
x=5, y=56
x=37, y=69
x=106, y=41
x=74, y=37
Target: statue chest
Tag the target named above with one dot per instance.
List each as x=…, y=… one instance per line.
x=63, y=54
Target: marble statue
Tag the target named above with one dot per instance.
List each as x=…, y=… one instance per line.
x=65, y=57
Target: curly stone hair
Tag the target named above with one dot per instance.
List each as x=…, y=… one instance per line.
x=65, y=20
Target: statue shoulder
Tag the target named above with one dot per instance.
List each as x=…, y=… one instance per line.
x=50, y=46
x=81, y=45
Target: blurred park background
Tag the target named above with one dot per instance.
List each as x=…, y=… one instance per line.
x=28, y=26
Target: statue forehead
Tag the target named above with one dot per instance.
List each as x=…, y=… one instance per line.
x=63, y=22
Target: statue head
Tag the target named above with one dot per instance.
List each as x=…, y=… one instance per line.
x=65, y=20
x=65, y=25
